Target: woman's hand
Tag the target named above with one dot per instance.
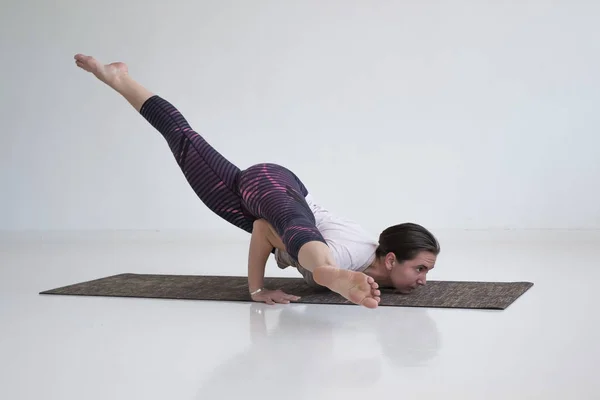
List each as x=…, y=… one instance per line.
x=274, y=296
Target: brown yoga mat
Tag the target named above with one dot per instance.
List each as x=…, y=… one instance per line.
x=444, y=294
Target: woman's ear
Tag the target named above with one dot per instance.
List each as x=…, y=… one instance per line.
x=390, y=261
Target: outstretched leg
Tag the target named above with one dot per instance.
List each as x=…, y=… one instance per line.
x=212, y=177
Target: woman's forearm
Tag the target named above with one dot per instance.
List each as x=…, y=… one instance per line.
x=260, y=250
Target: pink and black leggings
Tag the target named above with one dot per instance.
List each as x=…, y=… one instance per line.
x=262, y=191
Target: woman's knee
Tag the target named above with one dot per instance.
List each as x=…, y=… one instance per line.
x=298, y=233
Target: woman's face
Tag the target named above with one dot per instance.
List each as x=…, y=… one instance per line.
x=406, y=276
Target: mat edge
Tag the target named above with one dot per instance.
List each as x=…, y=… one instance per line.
x=250, y=302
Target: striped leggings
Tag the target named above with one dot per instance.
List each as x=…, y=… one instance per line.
x=262, y=191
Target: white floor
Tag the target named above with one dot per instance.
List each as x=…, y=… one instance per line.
x=545, y=346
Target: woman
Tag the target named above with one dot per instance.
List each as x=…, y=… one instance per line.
x=271, y=203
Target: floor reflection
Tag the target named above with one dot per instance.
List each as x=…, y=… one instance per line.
x=293, y=350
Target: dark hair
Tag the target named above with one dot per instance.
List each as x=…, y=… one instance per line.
x=406, y=241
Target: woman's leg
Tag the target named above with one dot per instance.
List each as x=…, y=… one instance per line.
x=212, y=177
x=273, y=193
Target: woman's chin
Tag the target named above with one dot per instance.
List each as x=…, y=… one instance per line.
x=405, y=290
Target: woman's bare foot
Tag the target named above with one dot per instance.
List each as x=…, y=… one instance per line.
x=116, y=75
x=107, y=73
x=355, y=286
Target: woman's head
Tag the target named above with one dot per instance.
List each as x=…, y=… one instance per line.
x=407, y=251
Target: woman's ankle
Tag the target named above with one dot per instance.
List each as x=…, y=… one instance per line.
x=120, y=83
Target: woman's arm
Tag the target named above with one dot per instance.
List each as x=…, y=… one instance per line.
x=260, y=250
x=262, y=242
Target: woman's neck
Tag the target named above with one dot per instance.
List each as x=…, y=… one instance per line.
x=378, y=272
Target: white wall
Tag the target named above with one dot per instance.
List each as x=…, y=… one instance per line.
x=452, y=114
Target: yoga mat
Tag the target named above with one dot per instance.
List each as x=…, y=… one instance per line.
x=440, y=294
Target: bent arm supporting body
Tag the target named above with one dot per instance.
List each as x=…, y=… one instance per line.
x=262, y=242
